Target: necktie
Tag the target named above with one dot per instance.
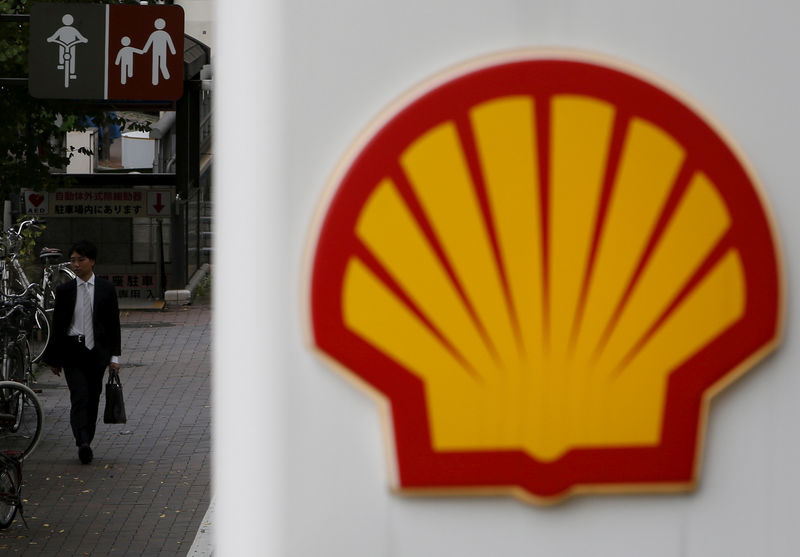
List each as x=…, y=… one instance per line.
x=88, y=326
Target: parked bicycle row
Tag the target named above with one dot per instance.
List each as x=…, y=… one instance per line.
x=26, y=309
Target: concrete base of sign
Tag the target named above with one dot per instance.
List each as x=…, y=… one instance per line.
x=184, y=297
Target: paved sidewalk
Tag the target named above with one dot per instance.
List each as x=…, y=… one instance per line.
x=148, y=489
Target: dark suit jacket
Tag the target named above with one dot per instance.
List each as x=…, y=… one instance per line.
x=107, y=337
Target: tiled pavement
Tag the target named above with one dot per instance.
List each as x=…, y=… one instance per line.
x=148, y=488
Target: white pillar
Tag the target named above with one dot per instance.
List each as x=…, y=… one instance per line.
x=249, y=280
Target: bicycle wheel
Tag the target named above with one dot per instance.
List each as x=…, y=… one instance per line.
x=55, y=277
x=8, y=496
x=39, y=335
x=12, y=367
x=21, y=419
x=14, y=364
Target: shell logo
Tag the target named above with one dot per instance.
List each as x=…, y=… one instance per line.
x=545, y=265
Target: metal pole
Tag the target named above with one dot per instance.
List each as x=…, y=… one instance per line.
x=159, y=260
x=6, y=214
x=179, y=261
x=178, y=243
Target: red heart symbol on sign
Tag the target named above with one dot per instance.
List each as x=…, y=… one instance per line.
x=36, y=199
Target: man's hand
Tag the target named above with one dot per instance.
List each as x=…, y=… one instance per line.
x=56, y=370
x=114, y=366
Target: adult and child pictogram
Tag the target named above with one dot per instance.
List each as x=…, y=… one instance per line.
x=158, y=43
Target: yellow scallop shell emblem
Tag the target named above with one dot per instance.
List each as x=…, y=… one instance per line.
x=547, y=266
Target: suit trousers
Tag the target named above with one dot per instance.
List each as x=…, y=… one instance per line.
x=84, y=374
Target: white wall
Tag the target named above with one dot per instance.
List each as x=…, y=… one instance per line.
x=198, y=15
x=328, y=69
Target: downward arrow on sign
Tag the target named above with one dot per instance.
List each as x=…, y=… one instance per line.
x=158, y=206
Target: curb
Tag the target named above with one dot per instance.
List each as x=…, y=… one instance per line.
x=203, y=545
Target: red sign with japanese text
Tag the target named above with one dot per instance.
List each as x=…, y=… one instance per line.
x=91, y=202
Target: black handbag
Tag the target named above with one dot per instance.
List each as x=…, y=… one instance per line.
x=115, y=404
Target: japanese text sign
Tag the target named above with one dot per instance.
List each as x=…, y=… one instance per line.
x=121, y=203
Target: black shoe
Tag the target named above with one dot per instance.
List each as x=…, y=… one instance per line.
x=85, y=454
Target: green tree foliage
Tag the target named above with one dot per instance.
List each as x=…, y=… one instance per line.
x=31, y=129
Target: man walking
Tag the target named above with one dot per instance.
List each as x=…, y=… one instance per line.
x=85, y=339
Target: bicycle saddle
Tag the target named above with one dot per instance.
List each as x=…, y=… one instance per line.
x=50, y=253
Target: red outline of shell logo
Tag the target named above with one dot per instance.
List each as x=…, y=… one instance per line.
x=545, y=264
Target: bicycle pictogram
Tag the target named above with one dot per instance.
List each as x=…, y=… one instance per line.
x=67, y=38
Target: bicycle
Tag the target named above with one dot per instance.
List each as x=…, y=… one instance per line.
x=23, y=325
x=53, y=276
x=18, y=319
x=34, y=322
x=24, y=333
x=10, y=490
x=13, y=279
x=68, y=62
x=21, y=421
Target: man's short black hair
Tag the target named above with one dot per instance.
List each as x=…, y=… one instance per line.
x=84, y=248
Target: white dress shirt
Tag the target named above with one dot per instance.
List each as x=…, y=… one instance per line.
x=76, y=327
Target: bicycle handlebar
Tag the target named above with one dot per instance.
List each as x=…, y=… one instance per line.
x=23, y=302
x=13, y=233
x=25, y=294
x=65, y=44
x=33, y=223
x=11, y=310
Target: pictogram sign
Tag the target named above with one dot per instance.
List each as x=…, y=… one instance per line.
x=96, y=51
x=547, y=266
